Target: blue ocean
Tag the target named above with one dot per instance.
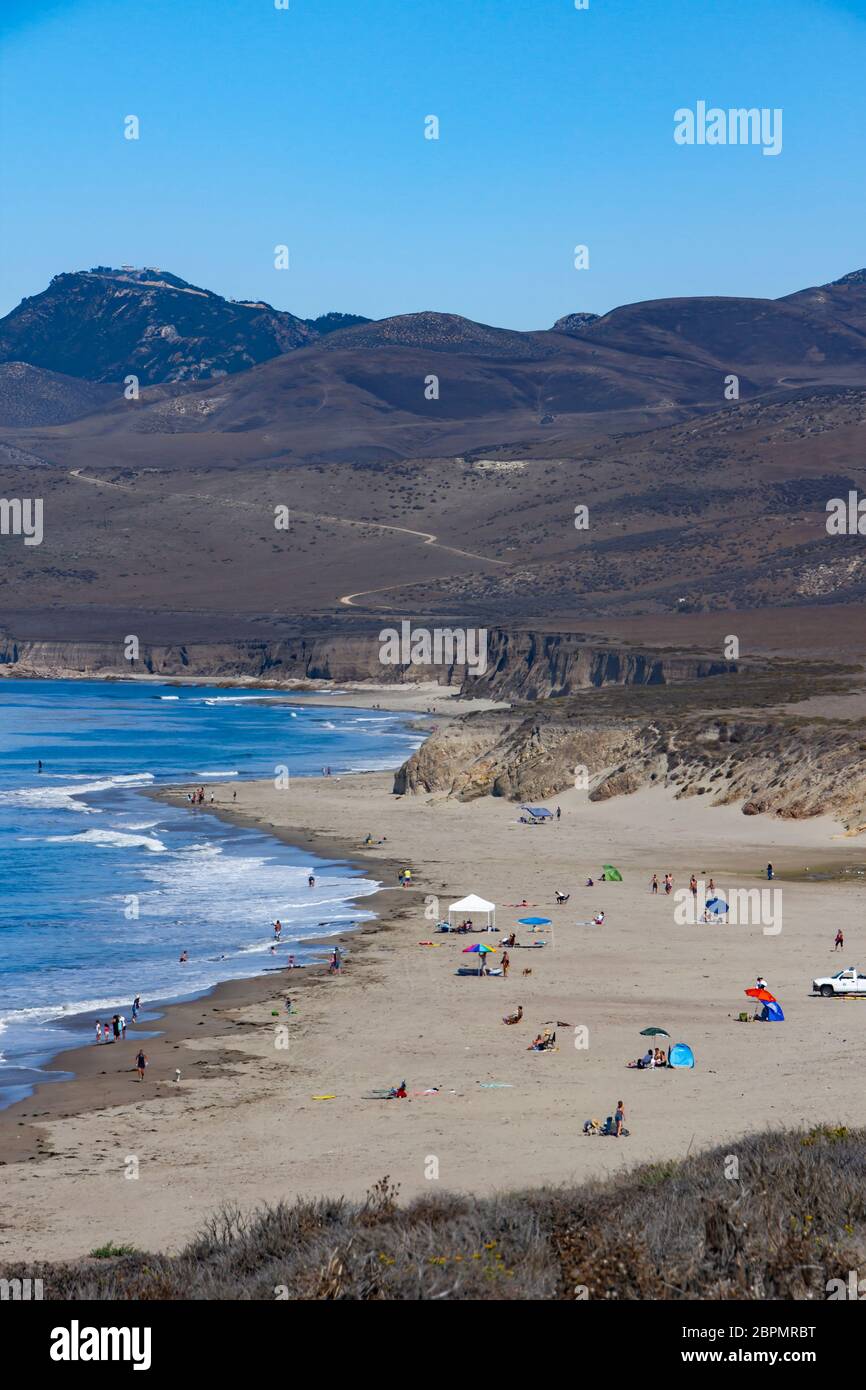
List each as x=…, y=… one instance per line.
x=102, y=887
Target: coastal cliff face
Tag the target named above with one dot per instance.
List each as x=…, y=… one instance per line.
x=538, y=666
x=776, y=765
x=520, y=665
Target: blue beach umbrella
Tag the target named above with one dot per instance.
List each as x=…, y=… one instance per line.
x=534, y=921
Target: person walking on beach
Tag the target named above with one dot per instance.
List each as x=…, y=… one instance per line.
x=839, y=943
x=136, y=1007
x=558, y=813
x=505, y=964
x=654, y=885
x=619, y=1119
x=669, y=884
x=693, y=885
x=141, y=1063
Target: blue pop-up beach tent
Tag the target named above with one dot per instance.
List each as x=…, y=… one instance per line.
x=772, y=1013
x=681, y=1055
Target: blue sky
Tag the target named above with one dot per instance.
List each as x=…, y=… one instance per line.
x=306, y=127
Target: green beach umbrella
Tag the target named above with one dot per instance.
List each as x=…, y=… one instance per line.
x=611, y=874
x=654, y=1033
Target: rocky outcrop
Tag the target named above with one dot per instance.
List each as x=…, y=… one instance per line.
x=778, y=765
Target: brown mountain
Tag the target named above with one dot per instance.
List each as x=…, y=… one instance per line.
x=32, y=396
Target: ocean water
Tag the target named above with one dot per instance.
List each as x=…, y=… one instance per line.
x=102, y=887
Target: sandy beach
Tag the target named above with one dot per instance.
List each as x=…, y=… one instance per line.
x=244, y=1124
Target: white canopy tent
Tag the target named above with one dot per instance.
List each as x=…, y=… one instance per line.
x=472, y=907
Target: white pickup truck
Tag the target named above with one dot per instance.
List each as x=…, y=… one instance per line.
x=848, y=981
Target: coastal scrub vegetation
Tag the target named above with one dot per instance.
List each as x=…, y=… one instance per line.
x=791, y=1219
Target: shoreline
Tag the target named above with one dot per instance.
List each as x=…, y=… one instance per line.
x=76, y=1090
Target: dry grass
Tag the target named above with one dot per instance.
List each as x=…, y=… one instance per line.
x=794, y=1218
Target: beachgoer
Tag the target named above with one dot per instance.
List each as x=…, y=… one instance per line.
x=183, y=957
x=278, y=927
x=140, y=1064
x=136, y=1007
x=669, y=884
x=234, y=796
x=558, y=813
x=770, y=871
x=505, y=964
x=711, y=887
x=619, y=1118
x=514, y=1018
x=122, y=1026
x=115, y=1026
x=654, y=884
x=106, y=1032
x=39, y=765
x=840, y=941
x=311, y=880
x=598, y=919
x=693, y=885
x=98, y=1031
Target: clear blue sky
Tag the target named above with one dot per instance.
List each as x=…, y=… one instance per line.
x=260, y=126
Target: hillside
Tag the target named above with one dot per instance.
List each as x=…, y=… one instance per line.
x=795, y=1220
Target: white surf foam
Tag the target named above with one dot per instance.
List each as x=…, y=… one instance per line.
x=116, y=839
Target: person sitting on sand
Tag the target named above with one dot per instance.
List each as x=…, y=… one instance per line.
x=598, y=919
x=660, y=1058
x=516, y=1017
x=561, y=897
x=510, y=940
x=589, y=883
x=398, y=1092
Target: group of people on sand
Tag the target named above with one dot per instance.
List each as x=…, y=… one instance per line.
x=115, y=1031
x=196, y=796
x=668, y=884
x=652, y=1058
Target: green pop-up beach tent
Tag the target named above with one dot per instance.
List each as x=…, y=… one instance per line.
x=611, y=874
